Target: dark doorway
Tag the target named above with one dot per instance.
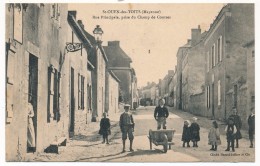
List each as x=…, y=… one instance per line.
x=72, y=104
x=213, y=101
x=33, y=92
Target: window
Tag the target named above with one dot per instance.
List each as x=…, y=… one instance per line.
x=253, y=53
x=208, y=61
x=79, y=91
x=213, y=55
x=219, y=93
x=208, y=96
x=55, y=12
x=89, y=97
x=82, y=92
x=18, y=23
x=220, y=49
x=253, y=99
x=81, y=80
x=53, y=94
x=56, y=96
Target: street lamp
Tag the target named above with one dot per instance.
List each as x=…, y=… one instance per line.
x=98, y=33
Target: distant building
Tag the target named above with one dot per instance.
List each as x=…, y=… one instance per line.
x=182, y=51
x=120, y=63
x=250, y=54
x=112, y=93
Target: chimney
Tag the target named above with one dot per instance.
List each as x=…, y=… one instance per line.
x=195, y=35
x=73, y=13
x=81, y=24
x=113, y=43
x=189, y=41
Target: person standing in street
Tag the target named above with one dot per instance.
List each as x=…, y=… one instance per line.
x=195, y=132
x=238, y=124
x=251, y=127
x=30, y=129
x=105, y=128
x=161, y=113
x=186, y=135
x=214, y=136
x=231, y=134
x=126, y=123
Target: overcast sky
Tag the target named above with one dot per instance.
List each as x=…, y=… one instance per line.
x=137, y=36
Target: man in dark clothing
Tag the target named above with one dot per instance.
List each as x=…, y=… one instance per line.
x=238, y=124
x=251, y=127
x=126, y=124
x=160, y=114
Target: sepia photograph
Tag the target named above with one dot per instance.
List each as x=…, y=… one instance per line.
x=129, y=82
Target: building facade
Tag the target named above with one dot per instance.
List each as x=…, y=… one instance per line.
x=36, y=72
x=78, y=75
x=120, y=63
x=98, y=59
x=226, y=67
x=112, y=93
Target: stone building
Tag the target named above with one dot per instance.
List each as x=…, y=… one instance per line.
x=36, y=59
x=250, y=54
x=77, y=79
x=120, y=63
x=190, y=71
x=98, y=59
x=226, y=63
x=182, y=51
x=112, y=93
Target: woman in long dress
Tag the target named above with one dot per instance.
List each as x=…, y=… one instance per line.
x=30, y=130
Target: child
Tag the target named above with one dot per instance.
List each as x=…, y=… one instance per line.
x=230, y=132
x=195, y=132
x=186, y=133
x=214, y=136
x=251, y=127
x=105, y=128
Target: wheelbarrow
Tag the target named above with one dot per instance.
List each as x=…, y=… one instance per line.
x=161, y=137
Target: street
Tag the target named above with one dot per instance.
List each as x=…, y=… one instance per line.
x=87, y=147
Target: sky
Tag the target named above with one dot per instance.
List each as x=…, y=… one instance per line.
x=152, y=44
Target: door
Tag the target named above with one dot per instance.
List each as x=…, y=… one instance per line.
x=213, y=101
x=72, y=104
x=32, y=98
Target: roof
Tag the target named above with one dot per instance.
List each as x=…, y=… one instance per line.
x=90, y=66
x=116, y=51
x=79, y=31
x=215, y=22
x=114, y=76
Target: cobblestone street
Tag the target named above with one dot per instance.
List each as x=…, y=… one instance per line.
x=87, y=147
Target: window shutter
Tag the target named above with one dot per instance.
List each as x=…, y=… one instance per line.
x=79, y=91
x=82, y=92
x=53, y=11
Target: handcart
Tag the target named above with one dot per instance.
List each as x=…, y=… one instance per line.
x=161, y=137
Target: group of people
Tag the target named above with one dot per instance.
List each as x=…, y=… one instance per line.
x=232, y=129
x=191, y=131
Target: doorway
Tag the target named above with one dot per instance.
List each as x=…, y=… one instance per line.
x=213, y=101
x=72, y=104
x=32, y=98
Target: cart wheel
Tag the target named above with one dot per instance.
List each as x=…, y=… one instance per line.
x=165, y=143
x=165, y=148
x=151, y=145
